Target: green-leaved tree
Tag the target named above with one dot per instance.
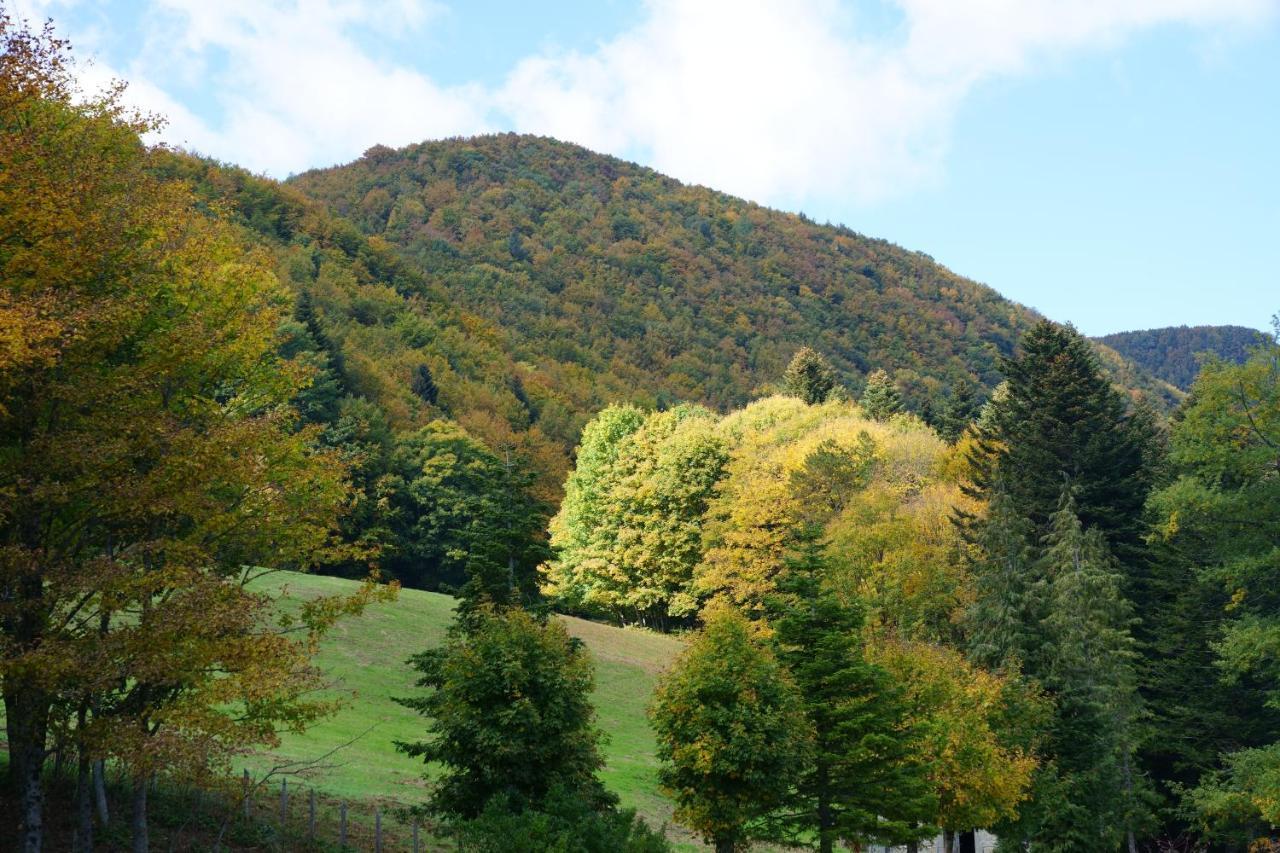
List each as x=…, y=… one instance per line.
x=732, y=733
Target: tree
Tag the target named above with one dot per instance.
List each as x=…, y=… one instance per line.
x=1060, y=418
x=586, y=490
x=149, y=453
x=880, y=399
x=510, y=716
x=1218, y=527
x=1089, y=669
x=460, y=514
x=972, y=727
x=961, y=409
x=1004, y=620
x=633, y=532
x=732, y=735
x=864, y=779
x=809, y=376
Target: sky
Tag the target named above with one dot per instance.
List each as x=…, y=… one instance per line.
x=1111, y=163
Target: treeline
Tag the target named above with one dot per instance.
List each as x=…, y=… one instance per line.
x=1058, y=627
x=1174, y=353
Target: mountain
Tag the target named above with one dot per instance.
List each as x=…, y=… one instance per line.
x=516, y=285
x=1172, y=353
x=610, y=281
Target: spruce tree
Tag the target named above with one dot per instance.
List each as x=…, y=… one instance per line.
x=880, y=399
x=1089, y=669
x=1003, y=622
x=1062, y=421
x=809, y=376
x=960, y=410
x=864, y=780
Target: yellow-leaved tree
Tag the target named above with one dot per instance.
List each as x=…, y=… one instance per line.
x=149, y=456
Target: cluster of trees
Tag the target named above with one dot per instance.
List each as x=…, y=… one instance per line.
x=1059, y=625
x=1174, y=353
x=150, y=457
x=825, y=698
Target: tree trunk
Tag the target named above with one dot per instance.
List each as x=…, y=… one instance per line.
x=826, y=822
x=26, y=723
x=100, y=791
x=948, y=841
x=138, y=826
x=83, y=842
x=724, y=845
x=913, y=847
x=969, y=841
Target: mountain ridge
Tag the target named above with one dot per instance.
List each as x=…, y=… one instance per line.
x=664, y=290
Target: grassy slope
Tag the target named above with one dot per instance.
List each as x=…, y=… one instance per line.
x=367, y=655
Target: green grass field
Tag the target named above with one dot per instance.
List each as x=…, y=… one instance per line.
x=366, y=655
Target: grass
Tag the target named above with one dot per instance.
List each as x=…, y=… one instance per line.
x=366, y=656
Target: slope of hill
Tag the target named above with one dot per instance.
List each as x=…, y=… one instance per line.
x=1171, y=353
x=609, y=281
x=367, y=655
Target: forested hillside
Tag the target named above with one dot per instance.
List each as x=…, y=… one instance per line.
x=608, y=281
x=1172, y=353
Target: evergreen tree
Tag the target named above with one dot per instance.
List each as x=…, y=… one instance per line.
x=1089, y=669
x=960, y=410
x=424, y=385
x=864, y=780
x=1003, y=621
x=510, y=716
x=732, y=733
x=1062, y=421
x=881, y=399
x=809, y=376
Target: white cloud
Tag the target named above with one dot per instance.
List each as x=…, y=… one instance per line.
x=789, y=100
x=291, y=87
x=784, y=101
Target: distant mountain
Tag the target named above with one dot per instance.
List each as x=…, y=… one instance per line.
x=1172, y=353
x=608, y=281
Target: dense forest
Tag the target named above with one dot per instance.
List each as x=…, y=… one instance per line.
x=936, y=564
x=1174, y=353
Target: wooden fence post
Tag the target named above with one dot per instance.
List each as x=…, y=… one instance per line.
x=248, y=808
x=342, y=825
x=311, y=817
x=415, y=837
x=284, y=802
x=377, y=830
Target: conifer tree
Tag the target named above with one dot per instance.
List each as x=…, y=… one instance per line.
x=864, y=780
x=1089, y=668
x=960, y=410
x=809, y=376
x=881, y=399
x=732, y=733
x=1003, y=621
x=1060, y=420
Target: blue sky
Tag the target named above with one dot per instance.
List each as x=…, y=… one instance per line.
x=1112, y=163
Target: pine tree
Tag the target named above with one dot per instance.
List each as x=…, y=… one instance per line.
x=809, y=376
x=732, y=734
x=864, y=780
x=881, y=399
